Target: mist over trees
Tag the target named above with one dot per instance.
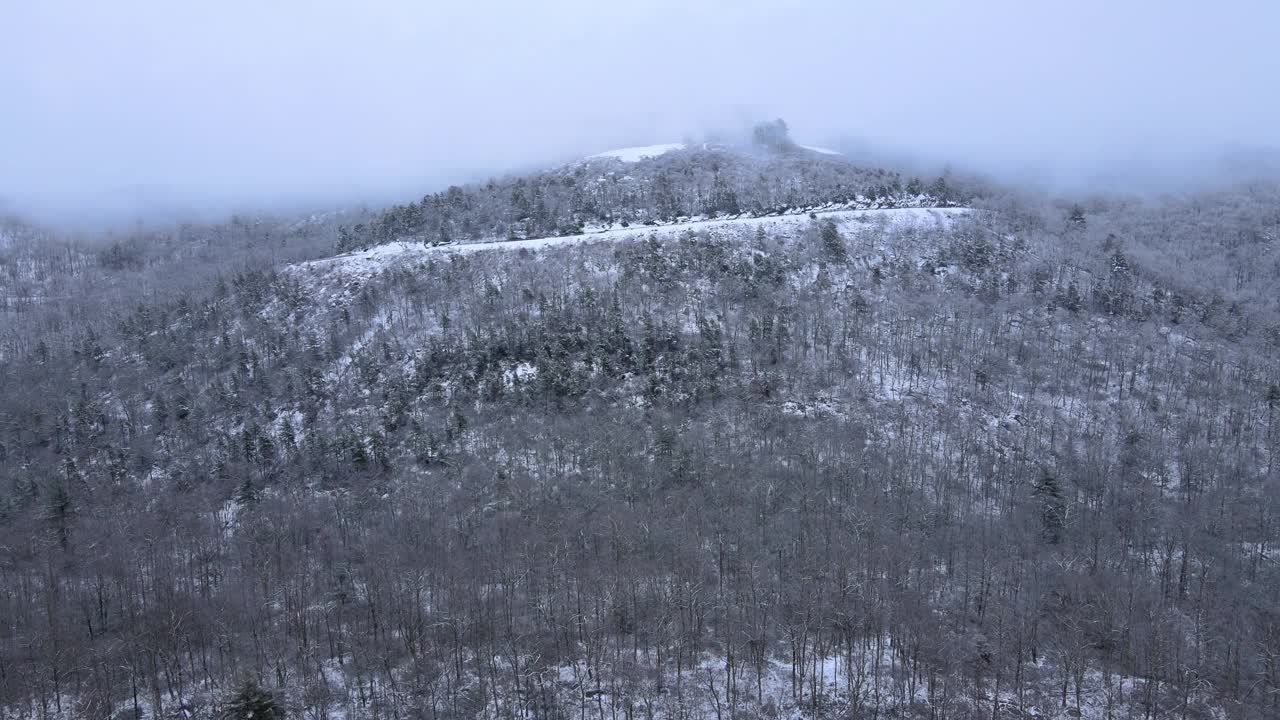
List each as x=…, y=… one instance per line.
x=1017, y=462
x=705, y=180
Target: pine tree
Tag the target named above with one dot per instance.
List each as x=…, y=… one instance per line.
x=59, y=513
x=940, y=188
x=832, y=244
x=1071, y=301
x=616, y=343
x=346, y=241
x=247, y=494
x=1053, y=515
x=288, y=435
x=457, y=424
x=723, y=198
x=252, y=702
x=666, y=201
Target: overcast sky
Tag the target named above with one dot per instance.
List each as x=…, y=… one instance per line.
x=257, y=102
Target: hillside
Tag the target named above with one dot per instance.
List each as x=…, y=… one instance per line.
x=649, y=185
x=704, y=433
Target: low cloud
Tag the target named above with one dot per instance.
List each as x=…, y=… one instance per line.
x=139, y=106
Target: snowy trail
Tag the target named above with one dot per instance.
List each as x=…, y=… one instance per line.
x=375, y=259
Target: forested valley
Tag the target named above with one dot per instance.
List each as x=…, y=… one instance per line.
x=1011, y=460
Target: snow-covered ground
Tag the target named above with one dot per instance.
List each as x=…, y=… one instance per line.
x=370, y=262
x=821, y=150
x=636, y=154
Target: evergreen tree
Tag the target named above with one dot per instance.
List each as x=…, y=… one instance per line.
x=1053, y=513
x=1071, y=300
x=832, y=244
x=247, y=494
x=252, y=702
x=723, y=198
x=59, y=513
x=940, y=188
x=666, y=202
x=346, y=240
x=1273, y=399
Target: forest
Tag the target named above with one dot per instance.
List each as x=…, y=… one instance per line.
x=771, y=176
x=1013, y=461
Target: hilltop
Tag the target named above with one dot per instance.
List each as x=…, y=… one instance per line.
x=649, y=185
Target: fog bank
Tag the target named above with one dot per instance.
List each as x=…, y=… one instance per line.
x=141, y=105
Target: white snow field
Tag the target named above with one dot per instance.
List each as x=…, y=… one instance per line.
x=366, y=263
x=644, y=152
x=636, y=154
x=821, y=150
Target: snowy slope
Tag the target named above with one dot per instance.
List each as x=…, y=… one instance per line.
x=370, y=262
x=821, y=150
x=636, y=154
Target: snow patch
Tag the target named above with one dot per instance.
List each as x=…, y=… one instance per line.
x=821, y=150
x=359, y=266
x=636, y=154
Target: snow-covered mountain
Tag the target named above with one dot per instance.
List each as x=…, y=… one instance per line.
x=670, y=432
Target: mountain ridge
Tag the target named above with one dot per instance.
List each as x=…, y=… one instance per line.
x=678, y=180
